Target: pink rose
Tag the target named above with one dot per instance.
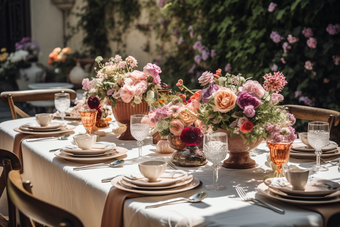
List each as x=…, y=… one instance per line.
x=127, y=93
x=249, y=111
x=138, y=75
x=128, y=81
x=87, y=84
x=276, y=98
x=157, y=80
x=241, y=121
x=122, y=64
x=193, y=105
x=254, y=87
x=152, y=70
x=140, y=88
x=311, y=42
x=133, y=62
x=153, y=121
x=110, y=68
x=176, y=127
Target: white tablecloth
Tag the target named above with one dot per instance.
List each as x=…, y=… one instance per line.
x=82, y=192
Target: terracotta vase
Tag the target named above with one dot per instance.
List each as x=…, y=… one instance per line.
x=239, y=152
x=122, y=112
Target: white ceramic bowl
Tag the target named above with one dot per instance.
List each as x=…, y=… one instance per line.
x=44, y=119
x=297, y=177
x=85, y=141
x=304, y=138
x=152, y=170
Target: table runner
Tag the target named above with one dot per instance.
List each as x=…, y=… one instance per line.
x=327, y=211
x=114, y=206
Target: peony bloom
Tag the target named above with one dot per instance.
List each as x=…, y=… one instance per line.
x=224, y=100
x=271, y=7
x=254, y=87
x=141, y=88
x=276, y=98
x=138, y=75
x=180, y=40
x=176, y=127
x=311, y=42
x=194, y=105
x=157, y=80
x=307, y=32
x=308, y=65
x=249, y=111
x=197, y=59
x=206, y=78
x=228, y=68
x=87, y=84
x=246, y=127
x=191, y=136
x=122, y=64
x=274, y=82
x=292, y=39
x=187, y=117
x=128, y=81
x=152, y=70
x=274, y=68
x=275, y=37
x=244, y=98
x=333, y=29
x=127, y=93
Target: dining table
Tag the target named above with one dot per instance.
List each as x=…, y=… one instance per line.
x=83, y=193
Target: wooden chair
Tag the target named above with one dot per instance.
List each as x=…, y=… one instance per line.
x=33, y=208
x=30, y=95
x=314, y=114
x=9, y=161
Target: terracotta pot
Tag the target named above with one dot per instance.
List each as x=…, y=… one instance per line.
x=239, y=152
x=122, y=112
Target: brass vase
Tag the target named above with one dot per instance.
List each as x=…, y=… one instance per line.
x=122, y=112
x=185, y=156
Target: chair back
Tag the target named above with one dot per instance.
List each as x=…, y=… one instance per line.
x=36, y=209
x=9, y=161
x=315, y=114
x=11, y=97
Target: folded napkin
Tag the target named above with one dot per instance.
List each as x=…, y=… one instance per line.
x=113, y=208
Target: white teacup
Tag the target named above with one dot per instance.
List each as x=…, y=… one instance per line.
x=304, y=138
x=297, y=177
x=85, y=141
x=44, y=119
x=152, y=170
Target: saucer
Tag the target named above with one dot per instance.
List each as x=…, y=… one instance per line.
x=162, y=181
x=98, y=148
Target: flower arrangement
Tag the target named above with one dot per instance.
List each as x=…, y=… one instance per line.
x=117, y=80
x=244, y=107
x=59, y=55
x=92, y=102
x=31, y=46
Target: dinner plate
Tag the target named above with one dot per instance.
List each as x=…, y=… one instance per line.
x=106, y=147
x=23, y=128
x=87, y=155
x=316, y=187
x=67, y=117
x=281, y=193
x=162, y=181
x=296, y=154
x=184, y=181
x=69, y=128
x=193, y=184
x=303, y=147
x=35, y=126
x=120, y=151
x=263, y=189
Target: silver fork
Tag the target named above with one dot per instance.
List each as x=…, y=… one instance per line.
x=246, y=198
x=171, y=164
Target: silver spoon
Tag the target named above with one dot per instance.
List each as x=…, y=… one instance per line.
x=112, y=164
x=198, y=197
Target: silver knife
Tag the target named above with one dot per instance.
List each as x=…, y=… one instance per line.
x=105, y=180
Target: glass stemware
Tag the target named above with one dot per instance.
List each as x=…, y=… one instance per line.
x=215, y=150
x=88, y=119
x=279, y=154
x=62, y=103
x=140, y=127
x=318, y=138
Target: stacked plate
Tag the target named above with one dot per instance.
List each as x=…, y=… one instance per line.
x=68, y=115
x=52, y=129
x=317, y=191
x=169, y=183
x=101, y=151
x=300, y=150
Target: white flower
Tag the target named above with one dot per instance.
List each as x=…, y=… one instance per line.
x=138, y=99
x=162, y=125
x=285, y=131
x=18, y=55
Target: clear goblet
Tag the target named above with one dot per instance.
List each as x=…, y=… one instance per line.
x=215, y=150
x=140, y=127
x=318, y=138
x=62, y=103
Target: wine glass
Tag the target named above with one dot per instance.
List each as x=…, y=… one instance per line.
x=318, y=138
x=215, y=150
x=88, y=119
x=140, y=127
x=62, y=103
x=279, y=154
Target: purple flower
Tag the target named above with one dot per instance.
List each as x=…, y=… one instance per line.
x=199, y=37
x=212, y=53
x=228, y=68
x=285, y=47
x=197, y=45
x=162, y=3
x=191, y=70
x=292, y=39
x=297, y=93
x=180, y=40
x=207, y=92
x=275, y=37
x=333, y=29
x=271, y=7
x=110, y=91
x=305, y=100
x=311, y=42
x=274, y=68
x=245, y=98
x=292, y=119
x=249, y=111
x=192, y=33
x=197, y=59
x=176, y=32
x=206, y=78
x=190, y=28
x=205, y=54
x=307, y=32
